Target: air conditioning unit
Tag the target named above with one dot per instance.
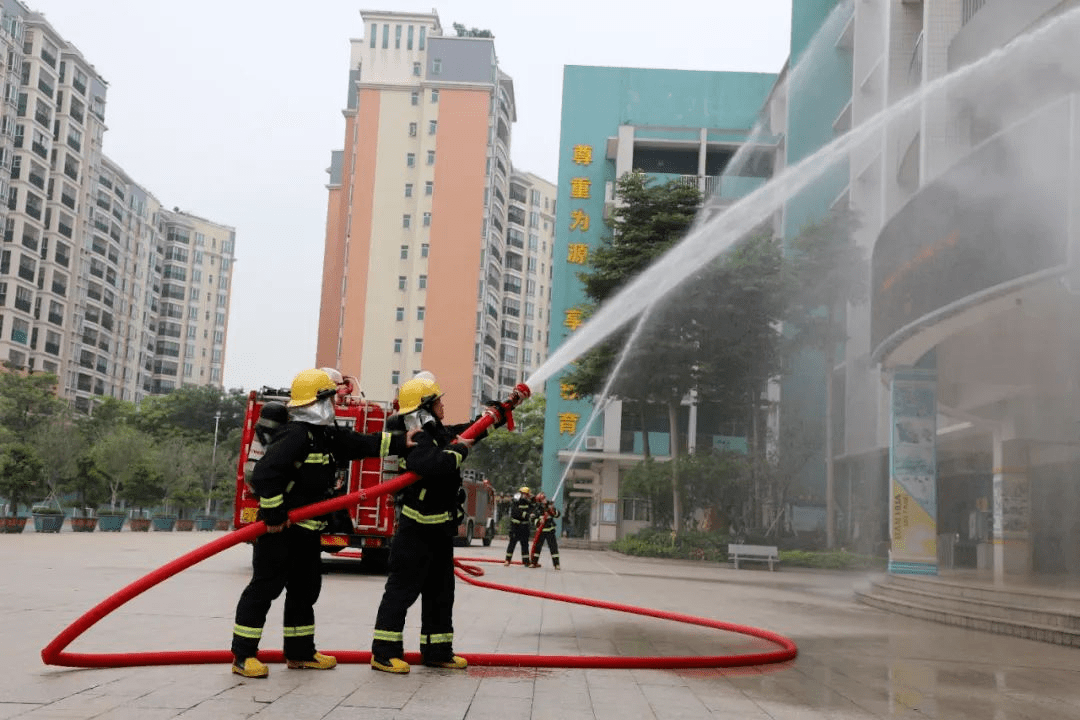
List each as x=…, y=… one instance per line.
x=594, y=443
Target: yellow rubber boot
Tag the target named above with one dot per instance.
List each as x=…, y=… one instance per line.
x=250, y=668
x=454, y=663
x=319, y=662
x=393, y=665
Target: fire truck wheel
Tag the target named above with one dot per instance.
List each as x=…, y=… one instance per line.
x=489, y=533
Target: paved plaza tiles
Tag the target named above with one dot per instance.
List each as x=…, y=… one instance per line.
x=854, y=661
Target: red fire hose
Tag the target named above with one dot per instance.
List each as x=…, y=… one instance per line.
x=54, y=654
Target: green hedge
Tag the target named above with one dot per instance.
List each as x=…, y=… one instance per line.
x=712, y=547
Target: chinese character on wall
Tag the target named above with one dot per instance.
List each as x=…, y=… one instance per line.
x=577, y=253
x=568, y=423
x=579, y=220
x=579, y=188
x=573, y=319
x=583, y=154
x=566, y=391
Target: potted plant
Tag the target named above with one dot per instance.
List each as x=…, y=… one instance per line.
x=139, y=522
x=111, y=519
x=163, y=521
x=48, y=518
x=20, y=475
x=83, y=520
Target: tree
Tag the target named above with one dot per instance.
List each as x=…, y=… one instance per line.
x=647, y=221
x=27, y=402
x=461, y=31
x=122, y=455
x=191, y=410
x=59, y=449
x=830, y=272
x=511, y=459
x=20, y=474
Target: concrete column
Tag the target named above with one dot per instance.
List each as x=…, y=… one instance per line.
x=1012, y=508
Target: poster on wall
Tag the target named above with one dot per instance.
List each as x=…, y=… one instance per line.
x=913, y=472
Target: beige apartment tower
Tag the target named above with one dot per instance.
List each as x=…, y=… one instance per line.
x=416, y=233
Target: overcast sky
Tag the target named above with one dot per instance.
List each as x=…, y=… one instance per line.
x=229, y=109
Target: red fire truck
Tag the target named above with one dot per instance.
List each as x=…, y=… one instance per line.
x=372, y=520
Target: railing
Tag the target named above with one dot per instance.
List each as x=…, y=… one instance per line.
x=970, y=7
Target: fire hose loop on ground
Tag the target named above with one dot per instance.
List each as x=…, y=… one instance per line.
x=54, y=653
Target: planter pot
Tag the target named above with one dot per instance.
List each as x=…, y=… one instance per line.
x=49, y=523
x=184, y=525
x=111, y=523
x=204, y=522
x=83, y=524
x=139, y=524
x=221, y=525
x=163, y=524
x=12, y=524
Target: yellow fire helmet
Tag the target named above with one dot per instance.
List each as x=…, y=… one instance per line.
x=309, y=386
x=416, y=393
x=524, y=490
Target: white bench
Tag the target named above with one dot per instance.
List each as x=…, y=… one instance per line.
x=764, y=553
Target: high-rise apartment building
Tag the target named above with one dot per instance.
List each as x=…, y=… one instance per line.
x=98, y=283
x=417, y=253
x=530, y=237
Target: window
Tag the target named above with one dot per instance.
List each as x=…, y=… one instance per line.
x=433, y=125
x=385, y=36
x=374, y=33
x=404, y=252
x=412, y=129
x=401, y=282
x=424, y=249
x=397, y=37
x=636, y=509
x=427, y=219
x=410, y=160
x=397, y=345
x=416, y=69
x=429, y=188
x=408, y=189
x=395, y=377
x=415, y=97
x=418, y=345
x=400, y=315
x=423, y=32
x=420, y=313
x=434, y=96
x=408, y=42
x=436, y=66
x=423, y=282
x=406, y=221
x=430, y=157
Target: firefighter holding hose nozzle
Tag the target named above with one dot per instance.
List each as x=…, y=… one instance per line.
x=521, y=511
x=422, y=551
x=544, y=518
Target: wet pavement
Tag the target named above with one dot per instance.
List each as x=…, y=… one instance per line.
x=854, y=661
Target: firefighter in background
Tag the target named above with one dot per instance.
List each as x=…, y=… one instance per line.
x=272, y=418
x=545, y=513
x=521, y=511
x=297, y=469
x=422, y=551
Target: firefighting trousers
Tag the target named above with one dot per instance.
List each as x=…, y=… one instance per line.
x=288, y=560
x=421, y=565
x=547, y=536
x=519, y=533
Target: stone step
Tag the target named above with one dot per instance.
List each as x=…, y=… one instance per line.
x=1005, y=618
x=1045, y=598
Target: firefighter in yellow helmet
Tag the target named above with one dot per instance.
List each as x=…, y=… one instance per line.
x=422, y=551
x=297, y=469
x=520, y=510
x=544, y=515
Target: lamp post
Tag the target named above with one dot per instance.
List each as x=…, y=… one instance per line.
x=213, y=462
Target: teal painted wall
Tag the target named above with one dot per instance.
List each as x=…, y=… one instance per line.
x=820, y=83
x=595, y=102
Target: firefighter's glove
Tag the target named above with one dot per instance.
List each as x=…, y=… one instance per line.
x=500, y=412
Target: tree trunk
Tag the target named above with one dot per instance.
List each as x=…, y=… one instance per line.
x=830, y=470
x=676, y=496
x=645, y=450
